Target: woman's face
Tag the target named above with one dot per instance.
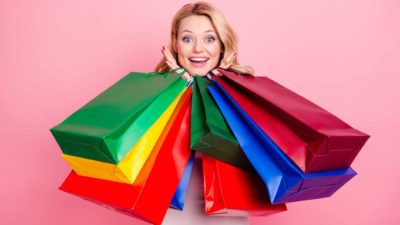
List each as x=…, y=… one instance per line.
x=197, y=45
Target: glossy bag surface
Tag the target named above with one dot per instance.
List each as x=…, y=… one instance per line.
x=313, y=138
x=230, y=191
x=210, y=134
x=107, y=128
x=284, y=181
x=178, y=201
x=128, y=169
x=150, y=196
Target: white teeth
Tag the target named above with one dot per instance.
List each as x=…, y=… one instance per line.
x=198, y=59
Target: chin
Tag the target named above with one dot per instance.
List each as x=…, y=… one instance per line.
x=201, y=72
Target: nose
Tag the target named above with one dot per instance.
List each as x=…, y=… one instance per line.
x=197, y=46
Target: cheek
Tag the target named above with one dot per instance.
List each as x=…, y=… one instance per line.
x=216, y=54
x=182, y=60
x=182, y=52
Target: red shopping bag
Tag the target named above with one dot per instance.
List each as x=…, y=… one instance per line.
x=229, y=191
x=313, y=138
x=150, y=199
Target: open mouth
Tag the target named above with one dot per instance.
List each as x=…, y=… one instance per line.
x=198, y=61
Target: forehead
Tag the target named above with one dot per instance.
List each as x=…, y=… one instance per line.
x=196, y=24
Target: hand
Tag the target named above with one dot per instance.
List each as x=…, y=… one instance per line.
x=225, y=63
x=171, y=62
x=228, y=61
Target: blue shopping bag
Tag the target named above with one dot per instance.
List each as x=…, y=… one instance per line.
x=180, y=194
x=284, y=181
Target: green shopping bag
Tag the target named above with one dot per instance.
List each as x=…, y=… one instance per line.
x=210, y=133
x=106, y=128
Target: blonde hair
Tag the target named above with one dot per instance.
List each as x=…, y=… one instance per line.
x=225, y=32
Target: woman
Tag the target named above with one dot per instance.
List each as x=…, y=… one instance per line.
x=201, y=40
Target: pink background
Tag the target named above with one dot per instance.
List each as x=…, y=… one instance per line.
x=57, y=55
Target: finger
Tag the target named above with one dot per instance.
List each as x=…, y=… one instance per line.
x=168, y=54
x=225, y=65
x=170, y=59
x=228, y=62
x=215, y=72
x=171, y=63
x=230, y=58
x=167, y=51
x=186, y=76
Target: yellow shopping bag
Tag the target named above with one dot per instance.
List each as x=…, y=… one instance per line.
x=128, y=169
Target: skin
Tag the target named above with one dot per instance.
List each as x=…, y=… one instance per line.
x=197, y=38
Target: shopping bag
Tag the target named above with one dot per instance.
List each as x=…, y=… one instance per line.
x=312, y=137
x=209, y=132
x=128, y=169
x=284, y=181
x=149, y=197
x=109, y=126
x=229, y=191
x=178, y=200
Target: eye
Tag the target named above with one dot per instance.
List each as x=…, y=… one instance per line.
x=186, y=39
x=210, y=39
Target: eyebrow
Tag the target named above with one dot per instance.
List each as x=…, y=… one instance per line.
x=207, y=31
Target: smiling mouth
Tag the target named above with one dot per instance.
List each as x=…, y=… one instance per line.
x=198, y=62
x=198, y=59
